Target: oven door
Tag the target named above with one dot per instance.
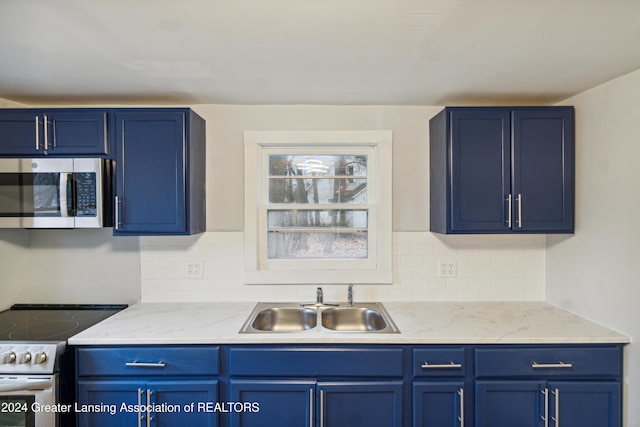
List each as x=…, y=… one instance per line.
x=22, y=398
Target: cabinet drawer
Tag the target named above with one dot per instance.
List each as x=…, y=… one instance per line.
x=148, y=361
x=546, y=362
x=439, y=362
x=315, y=362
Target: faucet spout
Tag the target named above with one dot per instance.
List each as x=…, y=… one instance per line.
x=319, y=296
x=350, y=296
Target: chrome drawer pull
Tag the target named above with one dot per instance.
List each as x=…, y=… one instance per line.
x=146, y=365
x=560, y=364
x=451, y=365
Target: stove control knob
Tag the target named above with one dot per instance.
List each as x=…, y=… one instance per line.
x=8, y=357
x=39, y=358
x=24, y=357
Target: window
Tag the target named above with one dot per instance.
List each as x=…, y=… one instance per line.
x=318, y=207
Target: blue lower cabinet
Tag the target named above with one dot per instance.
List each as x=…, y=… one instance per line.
x=100, y=403
x=309, y=403
x=585, y=404
x=273, y=403
x=538, y=403
x=350, y=386
x=115, y=403
x=510, y=403
x=150, y=403
x=438, y=404
x=184, y=402
x=360, y=404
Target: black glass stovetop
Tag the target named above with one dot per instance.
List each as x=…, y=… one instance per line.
x=51, y=322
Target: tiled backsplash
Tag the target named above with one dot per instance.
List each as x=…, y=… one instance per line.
x=495, y=268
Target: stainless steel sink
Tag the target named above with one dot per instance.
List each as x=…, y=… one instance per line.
x=353, y=319
x=292, y=317
x=285, y=319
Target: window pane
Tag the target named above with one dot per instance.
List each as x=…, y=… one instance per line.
x=317, y=179
x=312, y=218
x=285, y=245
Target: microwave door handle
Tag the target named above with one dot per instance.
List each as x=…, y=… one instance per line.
x=65, y=194
x=72, y=195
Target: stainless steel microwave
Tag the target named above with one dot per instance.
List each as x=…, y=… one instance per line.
x=55, y=193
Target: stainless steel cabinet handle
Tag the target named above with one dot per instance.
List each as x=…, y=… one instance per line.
x=117, y=213
x=556, y=419
x=461, y=417
x=146, y=365
x=519, y=198
x=311, y=407
x=321, y=408
x=149, y=392
x=37, y=133
x=451, y=365
x=546, y=407
x=46, y=134
x=559, y=365
x=140, y=391
x=509, y=209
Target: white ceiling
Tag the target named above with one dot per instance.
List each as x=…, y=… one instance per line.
x=402, y=52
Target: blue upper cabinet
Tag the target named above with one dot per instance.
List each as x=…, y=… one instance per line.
x=160, y=172
x=54, y=132
x=502, y=170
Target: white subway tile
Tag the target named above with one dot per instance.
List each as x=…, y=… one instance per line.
x=488, y=268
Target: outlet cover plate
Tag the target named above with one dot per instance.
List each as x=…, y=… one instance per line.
x=194, y=269
x=447, y=269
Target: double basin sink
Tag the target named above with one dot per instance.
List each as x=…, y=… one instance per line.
x=292, y=317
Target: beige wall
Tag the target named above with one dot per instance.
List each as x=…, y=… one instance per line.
x=225, y=167
x=14, y=267
x=83, y=266
x=5, y=103
x=596, y=272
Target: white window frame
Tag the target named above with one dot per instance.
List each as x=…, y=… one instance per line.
x=377, y=267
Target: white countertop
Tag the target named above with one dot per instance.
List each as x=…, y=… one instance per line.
x=419, y=323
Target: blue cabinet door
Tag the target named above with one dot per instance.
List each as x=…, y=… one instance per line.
x=113, y=402
x=438, y=404
x=103, y=402
x=178, y=396
x=502, y=170
x=510, y=403
x=543, y=170
x=63, y=132
x=565, y=403
x=150, y=173
x=585, y=404
x=274, y=403
x=480, y=169
x=360, y=403
x=20, y=133
x=77, y=133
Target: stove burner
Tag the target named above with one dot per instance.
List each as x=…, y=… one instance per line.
x=45, y=330
x=6, y=325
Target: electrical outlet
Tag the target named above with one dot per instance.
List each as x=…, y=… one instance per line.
x=193, y=269
x=446, y=269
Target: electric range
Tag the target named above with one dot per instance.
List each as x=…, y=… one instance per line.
x=37, y=369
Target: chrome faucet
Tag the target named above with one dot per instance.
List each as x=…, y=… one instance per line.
x=319, y=300
x=350, y=295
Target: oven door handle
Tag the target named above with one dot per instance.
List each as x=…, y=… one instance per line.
x=25, y=385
